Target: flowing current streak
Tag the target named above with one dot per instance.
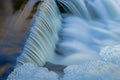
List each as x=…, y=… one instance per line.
x=77, y=7
x=43, y=36
x=89, y=9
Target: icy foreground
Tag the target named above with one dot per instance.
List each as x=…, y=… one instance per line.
x=105, y=69
x=95, y=70
x=99, y=70
x=29, y=71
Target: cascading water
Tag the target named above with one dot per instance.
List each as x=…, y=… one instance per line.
x=88, y=41
x=41, y=43
x=81, y=37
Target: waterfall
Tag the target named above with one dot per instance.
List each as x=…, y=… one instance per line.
x=40, y=45
x=84, y=37
x=92, y=8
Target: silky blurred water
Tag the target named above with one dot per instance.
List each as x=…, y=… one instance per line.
x=88, y=42
x=84, y=35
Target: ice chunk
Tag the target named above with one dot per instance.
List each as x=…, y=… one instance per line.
x=111, y=54
x=30, y=72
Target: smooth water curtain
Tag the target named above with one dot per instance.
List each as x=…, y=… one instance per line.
x=40, y=45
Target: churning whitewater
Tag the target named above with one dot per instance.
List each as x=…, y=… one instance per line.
x=84, y=37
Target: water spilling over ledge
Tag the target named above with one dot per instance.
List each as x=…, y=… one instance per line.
x=71, y=40
x=43, y=36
